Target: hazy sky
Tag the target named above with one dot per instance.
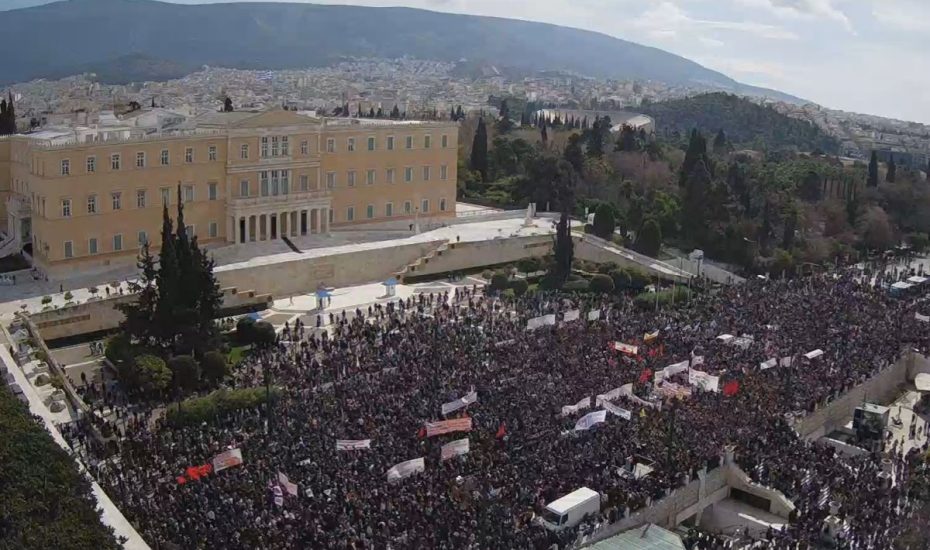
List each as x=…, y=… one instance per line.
x=870, y=56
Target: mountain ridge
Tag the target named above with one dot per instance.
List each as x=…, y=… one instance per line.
x=257, y=35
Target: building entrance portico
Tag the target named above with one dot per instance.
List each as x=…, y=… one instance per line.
x=268, y=218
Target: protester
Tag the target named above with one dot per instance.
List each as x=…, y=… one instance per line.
x=383, y=372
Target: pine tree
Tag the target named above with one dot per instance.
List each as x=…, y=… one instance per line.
x=545, y=136
x=720, y=142
x=395, y=113
x=153, y=102
x=380, y=113
x=892, y=170
x=371, y=113
x=873, y=170
x=452, y=114
x=584, y=123
x=479, y=151
x=459, y=113
x=138, y=322
x=11, y=114
x=168, y=283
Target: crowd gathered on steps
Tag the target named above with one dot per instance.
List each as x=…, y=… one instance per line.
x=381, y=373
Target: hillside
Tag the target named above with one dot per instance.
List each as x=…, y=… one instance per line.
x=743, y=121
x=66, y=35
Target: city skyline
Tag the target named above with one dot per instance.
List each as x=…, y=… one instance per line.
x=870, y=47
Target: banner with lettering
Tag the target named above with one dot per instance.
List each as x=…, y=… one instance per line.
x=590, y=419
x=922, y=318
x=459, y=403
x=671, y=390
x=455, y=448
x=548, y=319
x=704, y=381
x=650, y=336
x=613, y=409
x=768, y=364
x=571, y=315
x=448, y=426
x=594, y=315
x=581, y=405
x=406, y=469
x=353, y=444
x=227, y=459
x=534, y=323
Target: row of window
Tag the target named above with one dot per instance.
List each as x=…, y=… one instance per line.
x=94, y=245
x=116, y=199
x=408, y=210
x=116, y=160
x=389, y=143
x=371, y=176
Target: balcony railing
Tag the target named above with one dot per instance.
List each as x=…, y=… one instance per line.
x=282, y=198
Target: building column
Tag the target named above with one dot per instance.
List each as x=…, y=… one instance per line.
x=293, y=222
x=251, y=227
x=230, y=236
x=266, y=227
x=319, y=220
x=326, y=219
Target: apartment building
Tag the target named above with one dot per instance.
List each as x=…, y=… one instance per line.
x=88, y=203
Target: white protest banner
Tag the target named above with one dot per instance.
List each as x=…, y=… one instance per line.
x=581, y=405
x=406, y=469
x=534, y=323
x=455, y=448
x=765, y=365
x=285, y=483
x=626, y=390
x=590, y=419
x=609, y=396
x=672, y=370
x=613, y=409
x=674, y=391
x=448, y=426
x=227, y=459
x=922, y=318
x=459, y=403
x=697, y=360
x=278, y=495
x=353, y=444
x=548, y=319
x=571, y=315
x=785, y=361
x=814, y=354
x=627, y=349
x=594, y=315
x=650, y=336
x=703, y=380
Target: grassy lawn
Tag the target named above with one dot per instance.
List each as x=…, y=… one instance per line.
x=236, y=353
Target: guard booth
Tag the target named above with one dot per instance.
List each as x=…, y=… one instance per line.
x=390, y=287
x=323, y=298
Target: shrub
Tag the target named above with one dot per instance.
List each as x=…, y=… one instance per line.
x=602, y=283
x=202, y=409
x=68, y=296
x=41, y=355
x=264, y=334
x=519, y=287
x=45, y=501
x=580, y=285
x=148, y=372
x=647, y=300
x=185, y=372
x=589, y=228
x=649, y=238
x=214, y=366
x=529, y=265
x=118, y=349
x=42, y=380
x=57, y=381
x=46, y=300
x=487, y=274
x=630, y=278
x=245, y=330
x=607, y=267
x=499, y=281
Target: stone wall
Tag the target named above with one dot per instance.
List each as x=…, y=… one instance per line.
x=468, y=255
x=303, y=275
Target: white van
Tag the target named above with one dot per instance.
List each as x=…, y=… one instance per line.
x=569, y=510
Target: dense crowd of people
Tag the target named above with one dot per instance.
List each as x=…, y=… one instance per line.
x=381, y=373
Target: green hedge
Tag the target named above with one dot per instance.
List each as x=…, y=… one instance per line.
x=200, y=409
x=44, y=501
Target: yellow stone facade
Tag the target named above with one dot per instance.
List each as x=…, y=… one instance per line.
x=244, y=177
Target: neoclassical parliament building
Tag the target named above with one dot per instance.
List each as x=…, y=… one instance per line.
x=88, y=198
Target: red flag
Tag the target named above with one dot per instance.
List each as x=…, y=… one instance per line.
x=645, y=376
x=193, y=472
x=731, y=388
x=422, y=432
x=205, y=469
x=502, y=430
x=181, y=480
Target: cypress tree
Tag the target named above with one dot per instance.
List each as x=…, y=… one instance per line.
x=545, y=135
x=168, y=280
x=459, y=113
x=479, y=151
x=873, y=171
x=892, y=170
